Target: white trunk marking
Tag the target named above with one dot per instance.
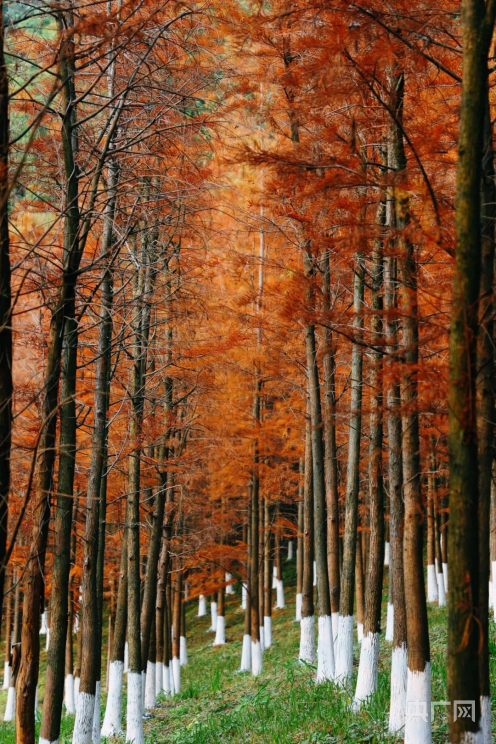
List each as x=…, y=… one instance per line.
x=7, y=671
x=246, y=654
x=487, y=737
x=229, y=587
x=126, y=658
x=399, y=668
x=256, y=658
x=9, y=714
x=220, y=635
x=47, y=641
x=418, y=707
x=44, y=626
x=325, y=650
x=41, y=740
x=445, y=574
x=290, y=550
x=69, y=701
x=344, y=650
x=202, y=606
x=213, y=615
x=274, y=577
x=307, y=639
x=315, y=573
x=77, y=682
x=112, y=720
x=281, y=602
x=244, y=594
x=431, y=584
x=95, y=736
x=151, y=685
x=440, y=590
x=159, y=677
x=134, y=713
x=166, y=681
x=367, y=670
x=267, y=632
x=83, y=725
x=176, y=675
x=359, y=632
x=390, y=622
x=335, y=627
x=299, y=599
x=386, y=554
x=183, y=651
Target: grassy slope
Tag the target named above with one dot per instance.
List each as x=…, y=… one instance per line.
x=283, y=705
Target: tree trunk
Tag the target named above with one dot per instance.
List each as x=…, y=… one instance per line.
x=267, y=582
x=369, y=653
x=256, y=650
x=307, y=626
x=344, y=648
x=5, y=313
x=331, y=460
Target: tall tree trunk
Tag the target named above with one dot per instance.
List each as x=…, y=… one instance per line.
x=369, y=654
x=299, y=546
x=307, y=625
x=485, y=406
x=325, y=649
x=246, y=650
x=331, y=459
x=8, y=631
x=344, y=647
x=63, y=333
x=267, y=582
x=256, y=649
x=5, y=313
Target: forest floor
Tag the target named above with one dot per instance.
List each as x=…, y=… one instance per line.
x=283, y=705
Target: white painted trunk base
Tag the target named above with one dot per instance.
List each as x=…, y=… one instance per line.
x=220, y=635
x=344, y=650
x=76, y=622
x=368, y=669
x=229, y=587
x=418, y=707
x=290, y=550
x=69, y=700
x=83, y=725
x=274, y=576
x=112, y=720
x=77, y=682
x=159, y=677
x=213, y=616
x=399, y=668
x=176, y=675
x=487, y=737
x=307, y=639
x=183, y=651
x=202, y=606
x=44, y=626
x=47, y=640
x=390, y=622
x=445, y=574
x=299, y=598
x=244, y=594
x=441, y=594
x=246, y=654
x=166, y=681
x=10, y=706
x=315, y=573
x=126, y=658
x=325, y=650
x=256, y=658
x=386, y=554
x=7, y=672
x=359, y=632
x=280, y=602
x=134, y=713
x=432, y=594
x=267, y=632
x=151, y=685
x=335, y=628
x=261, y=631
x=96, y=736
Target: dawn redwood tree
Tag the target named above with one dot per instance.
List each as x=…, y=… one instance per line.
x=467, y=505
x=307, y=624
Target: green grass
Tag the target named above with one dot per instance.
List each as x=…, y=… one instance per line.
x=284, y=705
